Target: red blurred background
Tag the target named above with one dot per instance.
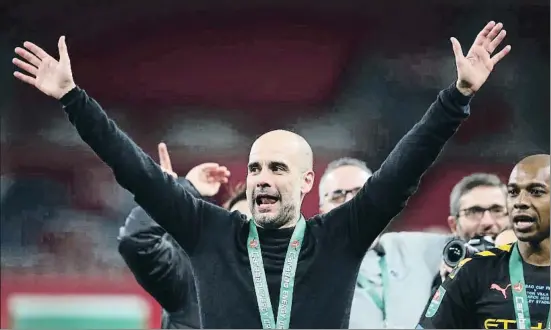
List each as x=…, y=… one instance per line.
x=207, y=78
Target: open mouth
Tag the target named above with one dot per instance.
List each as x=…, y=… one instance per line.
x=523, y=221
x=265, y=200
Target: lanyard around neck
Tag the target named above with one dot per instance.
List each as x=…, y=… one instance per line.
x=518, y=287
x=287, y=277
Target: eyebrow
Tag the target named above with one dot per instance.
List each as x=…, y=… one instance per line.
x=280, y=164
x=480, y=206
x=529, y=185
x=271, y=164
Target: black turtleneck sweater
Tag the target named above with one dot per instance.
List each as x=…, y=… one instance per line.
x=215, y=240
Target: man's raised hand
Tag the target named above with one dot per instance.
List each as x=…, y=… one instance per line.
x=51, y=77
x=164, y=160
x=208, y=177
x=474, y=69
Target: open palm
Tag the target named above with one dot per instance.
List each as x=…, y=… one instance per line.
x=473, y=70
x=51, y=77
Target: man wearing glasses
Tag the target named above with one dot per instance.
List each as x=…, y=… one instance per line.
x=478, y=206
x=409, y=264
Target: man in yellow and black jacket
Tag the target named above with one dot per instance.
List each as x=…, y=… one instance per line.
x=506, y=287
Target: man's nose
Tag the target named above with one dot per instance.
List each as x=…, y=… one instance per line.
x=262, y=184
x=263, y=180
x=487, y=221
x=521, y=202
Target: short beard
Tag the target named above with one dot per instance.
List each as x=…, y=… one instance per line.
x=284, y=216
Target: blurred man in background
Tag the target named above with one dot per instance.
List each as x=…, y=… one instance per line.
x=153, y=255
x=478, y=207
x=410, y=263
x=340, y=182
x=238, y=200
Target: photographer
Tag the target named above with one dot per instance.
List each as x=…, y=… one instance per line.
x=478, y=207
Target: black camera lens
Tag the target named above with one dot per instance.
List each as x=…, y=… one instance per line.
x=454, y=252
x=457, y=249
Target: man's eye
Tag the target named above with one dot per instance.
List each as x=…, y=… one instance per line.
x=537, y=192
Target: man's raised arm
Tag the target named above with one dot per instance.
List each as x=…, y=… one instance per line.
x=156, y=192
x=386, y=192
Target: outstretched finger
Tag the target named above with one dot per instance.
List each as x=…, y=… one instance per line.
x=496, y=41
x=25, y=66
x=456, y=46
x=482, y=35
x=214, y=170
x=495, y=32
x=39, y=52
x=63, y=53
x=30, y=57
x=24, y=78
x=499, y=56
x=223, y=171
x=164, y=158
x=208, y=166
x=218, y=177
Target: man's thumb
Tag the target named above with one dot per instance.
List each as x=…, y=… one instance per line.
x=63, y=53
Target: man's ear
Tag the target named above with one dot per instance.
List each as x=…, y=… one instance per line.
x=452, y=222
x=307, y=182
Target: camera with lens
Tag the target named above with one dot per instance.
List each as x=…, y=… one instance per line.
x=457, y=249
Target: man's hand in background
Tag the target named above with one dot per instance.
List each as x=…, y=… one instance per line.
x=445, y=270
x=207, y=178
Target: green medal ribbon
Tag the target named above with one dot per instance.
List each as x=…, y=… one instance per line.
x=518, y=287
x=378, y=299
x=287, y=277
x=384, y=278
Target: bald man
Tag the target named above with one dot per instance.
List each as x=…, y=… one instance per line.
x=506, y=287
x=277, y=270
